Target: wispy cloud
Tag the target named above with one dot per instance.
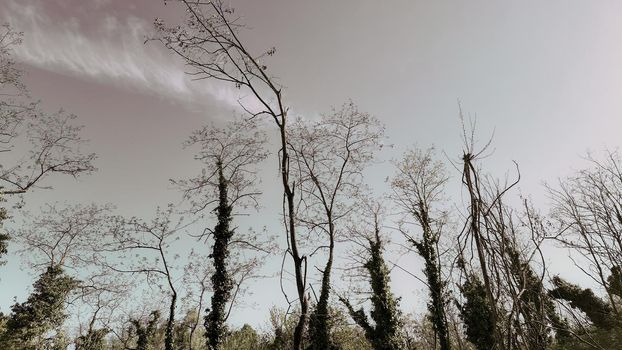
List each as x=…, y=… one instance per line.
x=106, y=48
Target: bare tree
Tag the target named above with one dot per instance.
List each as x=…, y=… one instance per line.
x=197, y=284
x=588, y=208
x=330, y=156
x=505, y=303
x=235, y=149
x=62, y=235
x=101, y=297
x=211, y=46
x=141, y=247
x=55, y=148
x=53, y=138
x=34, y=144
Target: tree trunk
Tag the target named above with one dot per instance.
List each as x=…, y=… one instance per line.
x=170, y=323
x=298, y=259
x=215, y=328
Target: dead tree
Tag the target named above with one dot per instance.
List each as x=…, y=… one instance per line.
x=503, y=265
x=211, y=46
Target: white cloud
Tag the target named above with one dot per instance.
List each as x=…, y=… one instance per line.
x=110, y=50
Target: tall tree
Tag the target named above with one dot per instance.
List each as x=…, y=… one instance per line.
x=210, y=44
x=138, y=247
x=502, y=265
x=330, y=156
x=385, y=333
x=229, y=156
x=417, y=187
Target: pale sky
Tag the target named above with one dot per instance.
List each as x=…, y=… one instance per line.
x=544, y=75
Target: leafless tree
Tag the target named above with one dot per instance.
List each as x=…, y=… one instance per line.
x=199, y=270
x=330, y=156
x=196, y=280
x=53, y=139
x=211, y=46
x=503, y=246
x=33, y=144
x=140, y=247
x=12, y=91
x=62, y=235
x=235, y=148
x=587, y=206
x=54, y=148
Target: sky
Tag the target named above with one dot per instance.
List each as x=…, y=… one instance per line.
x=544, y=77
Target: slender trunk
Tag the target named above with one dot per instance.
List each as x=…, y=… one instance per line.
x=169, y=336
x=291, y=226
x=193, y=329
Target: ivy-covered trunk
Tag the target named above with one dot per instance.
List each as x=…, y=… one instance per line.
x=215, y=328
x=436, y=306
x=319, y=327
x=170, y=324
x=386, y=333
x=146, y=334
x=94, y=339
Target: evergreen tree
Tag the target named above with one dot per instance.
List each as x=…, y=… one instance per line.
x=476, y=313
x=94, y=339
x=615, y=281
x=41, y=313
x=146, y=333
x=534, y=305
x=596, y=309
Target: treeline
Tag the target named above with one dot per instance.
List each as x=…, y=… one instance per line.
x=484, y=268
